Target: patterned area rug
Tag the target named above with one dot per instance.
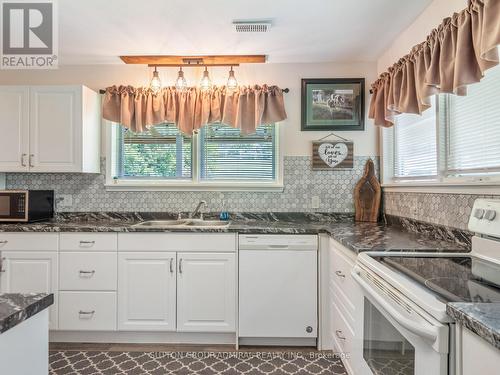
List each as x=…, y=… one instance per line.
x=206, y=363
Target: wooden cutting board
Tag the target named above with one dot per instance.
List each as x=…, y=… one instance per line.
x=367, y=194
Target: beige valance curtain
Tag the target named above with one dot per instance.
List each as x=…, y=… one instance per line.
x=454, y=55
x=190, y=109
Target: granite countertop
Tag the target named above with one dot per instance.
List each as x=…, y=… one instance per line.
x=400, y=235
x=16, y=307
x=481, y=318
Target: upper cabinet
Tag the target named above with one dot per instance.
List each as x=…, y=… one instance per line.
x=49, y=129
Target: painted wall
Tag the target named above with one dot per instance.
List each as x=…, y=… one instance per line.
x=296, y=143
x=417, y=32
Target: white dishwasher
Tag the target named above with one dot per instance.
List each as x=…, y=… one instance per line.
x=278, y=286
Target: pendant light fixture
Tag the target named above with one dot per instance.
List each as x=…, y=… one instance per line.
x=180, y=83
x=155, y=84
x=205, y=83
x=232, y=83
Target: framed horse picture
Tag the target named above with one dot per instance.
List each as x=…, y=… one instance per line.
x=333, y=104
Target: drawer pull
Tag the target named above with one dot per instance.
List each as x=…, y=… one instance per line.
x=339, y=334
x=90, y=243
x=87, y=273
x=88, y=314
x=4, y=242
x=340, y=274
x=1, y=265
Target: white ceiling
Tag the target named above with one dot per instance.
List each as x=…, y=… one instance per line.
x=97, y=31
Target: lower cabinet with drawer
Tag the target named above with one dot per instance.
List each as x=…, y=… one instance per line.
x=87, y=271
x=344, y=306
x=87, y=311
x=88, y=282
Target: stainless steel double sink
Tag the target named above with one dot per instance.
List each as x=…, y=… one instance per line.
x=183, y=223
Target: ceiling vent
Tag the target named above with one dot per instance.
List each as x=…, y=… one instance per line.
x=252, y=26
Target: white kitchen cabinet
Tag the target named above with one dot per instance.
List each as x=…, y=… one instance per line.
x=206, y=292
x=31, y=272
x=477, y=356
x=50, y=129
x=147, y=291
x=14, y=126
x=346, y=313
x=87, y=311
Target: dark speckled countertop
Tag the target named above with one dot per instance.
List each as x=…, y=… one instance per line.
x=400, y=235
x=16, y=308
x=481, y=318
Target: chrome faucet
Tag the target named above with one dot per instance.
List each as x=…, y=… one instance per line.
x=197, y=210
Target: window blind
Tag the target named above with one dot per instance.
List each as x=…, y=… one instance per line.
x=473, y=128
x=415, y=145
x=162, y=152
x=226, y=154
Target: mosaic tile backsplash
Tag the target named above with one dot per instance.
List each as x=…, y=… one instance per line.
x=450, y=210
x=334, y=188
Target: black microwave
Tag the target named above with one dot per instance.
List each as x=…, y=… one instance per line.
x=26, y=205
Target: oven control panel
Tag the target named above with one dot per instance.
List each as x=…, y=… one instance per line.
x=485, y=217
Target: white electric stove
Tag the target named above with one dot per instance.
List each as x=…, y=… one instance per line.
x=405, y=325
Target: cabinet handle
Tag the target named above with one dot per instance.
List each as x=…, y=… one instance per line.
x=4, y=242
x=23, y=160
x=87, y=243
x=171, y=265
x=86, y=313
x=180, y=265
x=339, y=334
x=1, y=265
x=339, y=274
x=31, y=160
x=91, y=273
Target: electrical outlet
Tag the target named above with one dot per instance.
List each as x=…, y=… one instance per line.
x=65, y=200
x=315, y=202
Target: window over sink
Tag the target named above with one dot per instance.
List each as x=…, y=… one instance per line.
x=217, y=157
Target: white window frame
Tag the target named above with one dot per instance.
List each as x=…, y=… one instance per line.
x=442, y=183
x=193, y=184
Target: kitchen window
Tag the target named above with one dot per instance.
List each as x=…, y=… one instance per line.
x=456, y=142
x=217, y=157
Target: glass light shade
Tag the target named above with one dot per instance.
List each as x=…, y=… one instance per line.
x=155, y=84
x=232, y=83
x=205, y=83
x=180, y=83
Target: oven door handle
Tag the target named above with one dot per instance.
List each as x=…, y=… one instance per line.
x=427, y=332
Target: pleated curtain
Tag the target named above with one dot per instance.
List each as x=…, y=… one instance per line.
x=454, y=55
x=245, y=108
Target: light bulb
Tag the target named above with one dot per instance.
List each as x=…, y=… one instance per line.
x=180, y=83
x=205, y=83
x=155, y=84
x=232, y=83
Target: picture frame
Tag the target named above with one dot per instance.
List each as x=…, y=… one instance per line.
x=333, y=104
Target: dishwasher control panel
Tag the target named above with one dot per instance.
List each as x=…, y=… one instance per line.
x=278, y=242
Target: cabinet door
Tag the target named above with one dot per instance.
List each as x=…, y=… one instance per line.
x=14, y=128
x=55, y=129
x=206, y=292
x=146, y=291
x=31, y=272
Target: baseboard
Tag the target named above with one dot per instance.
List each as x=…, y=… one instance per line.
x=270, y=341
x=143, y=337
